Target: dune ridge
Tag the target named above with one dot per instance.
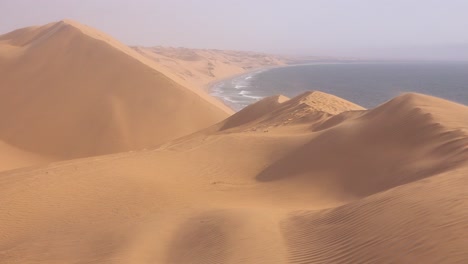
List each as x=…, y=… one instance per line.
x=384, y=185
x=279, y=110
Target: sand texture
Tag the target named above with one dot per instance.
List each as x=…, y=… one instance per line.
x=386, y=185
x=311, y=179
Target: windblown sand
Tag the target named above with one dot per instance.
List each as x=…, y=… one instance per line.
x=312, y=179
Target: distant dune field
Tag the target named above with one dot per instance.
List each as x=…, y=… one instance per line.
x=198, y=67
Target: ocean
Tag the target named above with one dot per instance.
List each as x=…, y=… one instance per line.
x=366, y=84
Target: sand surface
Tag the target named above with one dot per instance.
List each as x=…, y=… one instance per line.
x=69, y=91
x=312, y=179
x=292, y=185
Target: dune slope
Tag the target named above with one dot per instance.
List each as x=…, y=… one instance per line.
x=385, y=185
x=69, y=91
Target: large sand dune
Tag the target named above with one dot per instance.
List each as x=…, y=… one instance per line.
x=69, y=91
x=313, y=179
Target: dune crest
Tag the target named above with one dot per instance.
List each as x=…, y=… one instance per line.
x=409, y=138
x=278, y=111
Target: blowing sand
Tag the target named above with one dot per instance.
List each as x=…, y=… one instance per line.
x=312, y=179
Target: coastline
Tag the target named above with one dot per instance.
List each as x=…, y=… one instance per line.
x=349, y=80
x=208, y=88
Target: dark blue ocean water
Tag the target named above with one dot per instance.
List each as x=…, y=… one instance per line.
x=367, y=84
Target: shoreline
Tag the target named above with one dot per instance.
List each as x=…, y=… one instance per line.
x=236, y=93
x=208, y=88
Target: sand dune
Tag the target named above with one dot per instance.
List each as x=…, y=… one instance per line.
x=406, y=139
x=69, y=91
x=200, y=67
x=279, y=111
x=312, y=179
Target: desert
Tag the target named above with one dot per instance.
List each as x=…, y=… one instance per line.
x=118, y=154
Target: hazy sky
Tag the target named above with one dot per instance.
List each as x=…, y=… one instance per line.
x=316, y=27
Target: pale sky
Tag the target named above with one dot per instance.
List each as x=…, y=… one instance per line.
x=374, y=28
